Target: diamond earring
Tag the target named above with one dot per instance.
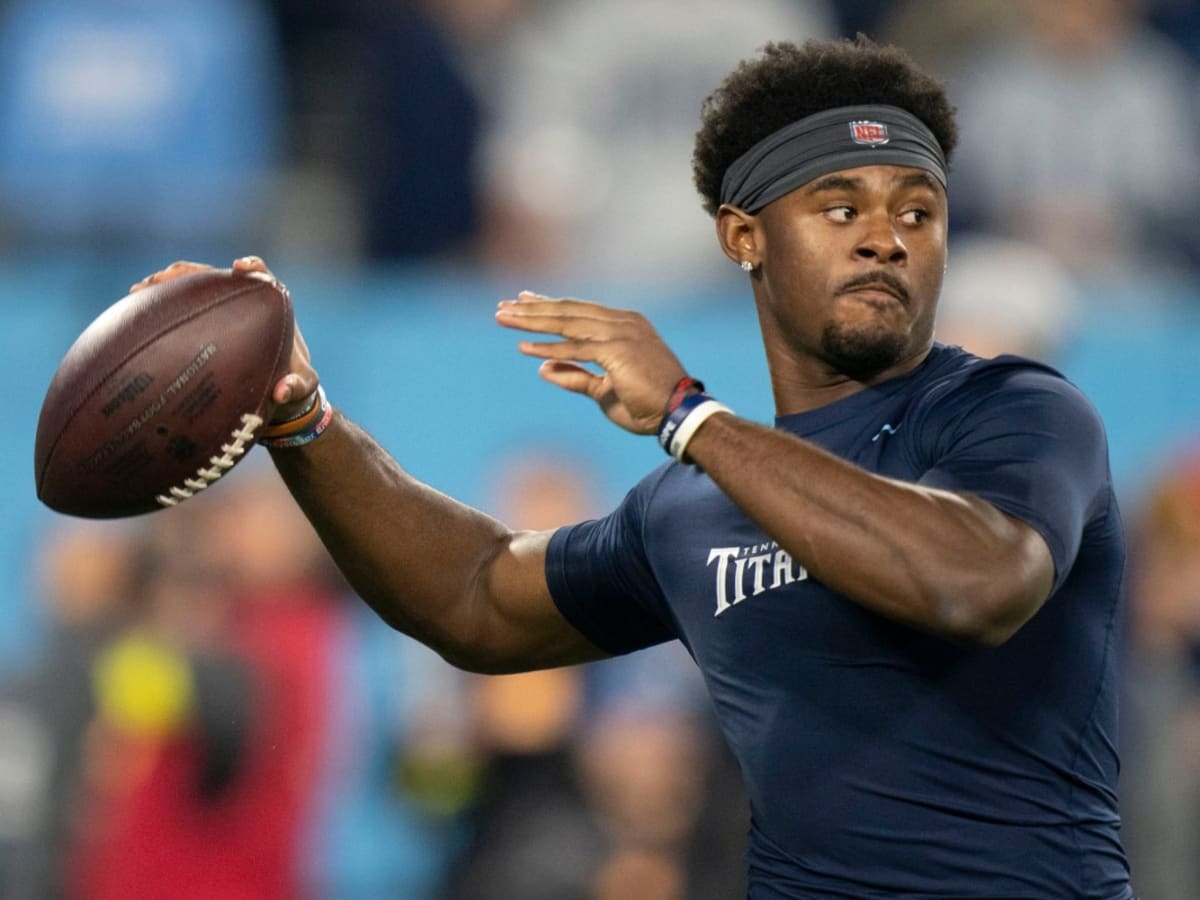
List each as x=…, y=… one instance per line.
x=747, y=266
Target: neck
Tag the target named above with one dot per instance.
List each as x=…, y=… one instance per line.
x=802, y=384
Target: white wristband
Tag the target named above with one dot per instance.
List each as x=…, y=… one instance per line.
x=687, y=428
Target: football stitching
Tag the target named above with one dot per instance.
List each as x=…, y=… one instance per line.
x=218, y=465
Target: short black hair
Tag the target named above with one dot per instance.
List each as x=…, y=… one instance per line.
x=786, y=83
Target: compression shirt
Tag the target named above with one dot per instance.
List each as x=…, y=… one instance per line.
x=882, y=761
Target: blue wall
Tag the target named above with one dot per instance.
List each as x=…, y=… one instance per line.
x=418, y=360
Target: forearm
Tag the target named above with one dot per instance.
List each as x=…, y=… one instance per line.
x=418, y=557
x=943, y=562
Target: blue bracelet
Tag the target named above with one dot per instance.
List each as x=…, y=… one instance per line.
x=675, y=418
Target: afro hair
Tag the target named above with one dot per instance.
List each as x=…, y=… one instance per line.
x=787, y=82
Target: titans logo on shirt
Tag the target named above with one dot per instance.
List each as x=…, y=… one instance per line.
x=743, y=572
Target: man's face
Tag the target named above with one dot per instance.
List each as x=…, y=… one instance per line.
x=852, y=266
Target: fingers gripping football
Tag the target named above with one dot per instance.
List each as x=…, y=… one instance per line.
x=638, y=368
x=290, y=394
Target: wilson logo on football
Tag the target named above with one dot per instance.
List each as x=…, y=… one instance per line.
x=870, y=133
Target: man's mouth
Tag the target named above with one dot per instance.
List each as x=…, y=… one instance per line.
x=884, y=290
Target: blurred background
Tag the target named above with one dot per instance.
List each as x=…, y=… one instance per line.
x=193, y=707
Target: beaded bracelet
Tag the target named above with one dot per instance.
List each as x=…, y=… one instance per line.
x=681, y=424
x=303, y=429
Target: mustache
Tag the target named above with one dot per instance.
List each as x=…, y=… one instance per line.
x=874, y=279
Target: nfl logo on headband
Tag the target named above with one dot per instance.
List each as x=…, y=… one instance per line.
x=870, y=133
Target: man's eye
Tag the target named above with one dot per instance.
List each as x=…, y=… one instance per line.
x=841, y=213
x=914, y=217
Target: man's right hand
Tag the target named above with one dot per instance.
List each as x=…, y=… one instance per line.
x=292, y=392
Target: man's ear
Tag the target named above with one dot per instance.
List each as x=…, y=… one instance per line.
x=737, y=231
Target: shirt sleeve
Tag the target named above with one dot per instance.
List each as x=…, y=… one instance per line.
x=602, y=582
x=1027, y=441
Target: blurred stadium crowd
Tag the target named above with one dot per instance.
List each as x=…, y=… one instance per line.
x=211, y=715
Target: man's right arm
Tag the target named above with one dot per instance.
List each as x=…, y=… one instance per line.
x=438, y=570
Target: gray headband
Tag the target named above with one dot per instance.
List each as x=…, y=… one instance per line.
x=841, y=138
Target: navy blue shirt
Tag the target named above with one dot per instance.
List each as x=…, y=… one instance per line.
x=882, y=761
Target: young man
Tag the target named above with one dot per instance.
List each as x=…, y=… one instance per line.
x=904, y=597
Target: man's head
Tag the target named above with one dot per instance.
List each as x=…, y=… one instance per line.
x=787, y=83
x=825, y=166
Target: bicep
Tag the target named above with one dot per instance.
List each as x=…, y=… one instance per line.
x=1039, y=456
x=521, y=622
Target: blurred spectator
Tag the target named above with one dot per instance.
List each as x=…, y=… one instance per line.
x=167, y=747
x=85, y=574
x=253, y=723
x=344, y=700
x=1005, y=296
x=1160, y=718
x=384, y=126
x=213, y=707
x=594, y=106
x=1081, y=135
x=136, y=126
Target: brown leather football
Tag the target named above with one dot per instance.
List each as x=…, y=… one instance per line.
x=162, y=394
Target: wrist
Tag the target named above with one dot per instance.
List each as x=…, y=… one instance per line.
x=680, y=424
x=303, y=429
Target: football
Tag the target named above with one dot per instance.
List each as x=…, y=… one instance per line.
x=162, y=394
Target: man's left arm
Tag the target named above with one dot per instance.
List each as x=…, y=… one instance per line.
x=943, y=561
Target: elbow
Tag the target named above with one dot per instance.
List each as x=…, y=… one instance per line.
x=470, y=659
x=986, y=602
x=995, y=634
x=983, y=630
x=474, y=646
x=988, y=612
x=456, y=652
x=462, y=649
x=465, y=661
x=452, y=644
